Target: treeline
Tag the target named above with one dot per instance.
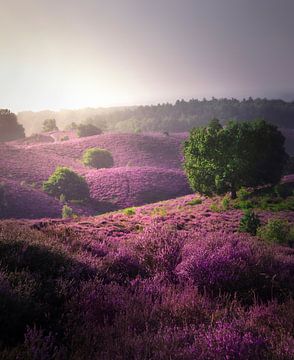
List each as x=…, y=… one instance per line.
x=184, y=115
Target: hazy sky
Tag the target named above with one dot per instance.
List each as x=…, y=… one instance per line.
x=78, y=53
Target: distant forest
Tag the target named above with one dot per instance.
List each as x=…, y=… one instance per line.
x=184, y=115
x=178, y=117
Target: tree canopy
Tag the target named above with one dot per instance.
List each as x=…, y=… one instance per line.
x=10, y=129
x=223, y=159
x=49, y=125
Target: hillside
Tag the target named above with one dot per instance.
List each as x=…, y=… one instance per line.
x=147, y=168
x=171, y=280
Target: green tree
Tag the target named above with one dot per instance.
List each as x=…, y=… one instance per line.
x=67, y=183
x=84, y=130
x=49, y=125
x=97, y=158
x=223, y=159
x=9, y=127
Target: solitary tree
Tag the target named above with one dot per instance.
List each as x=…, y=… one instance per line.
x=9, y=127
x=84, y=130
x=98, y=158
x=49, y=125
x=67, y=183
x=221, y=159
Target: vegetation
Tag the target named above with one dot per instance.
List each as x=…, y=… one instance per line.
x=84, y=130
x=67, y=183
x=67, y=212
x=10, y=129
x=49, y=125
x=98, y=158
x=277, y=231
x=129, y=211
x=218, y=159
x=249, y=223
x=195, y=201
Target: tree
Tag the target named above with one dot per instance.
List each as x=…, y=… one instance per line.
x=97, y=158
x=49, y=125
x=67, y=183
x=84, y=130
x=9, y=127
x=221, y=159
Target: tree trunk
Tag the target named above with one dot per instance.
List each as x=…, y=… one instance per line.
x=233, y=193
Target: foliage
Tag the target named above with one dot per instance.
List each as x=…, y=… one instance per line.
x=218, y=159
x=64, y=138
x=289, y=167
x=186, y=286
x=243, y=193
x=68, y=183
x=249, y=223
x=67, y=212
x=129, y=211
x=98, y=158
x=9, y=127
x=84, y=130
x=277, y=231
x=284, y=190
x=49, y=125
x=195, y=201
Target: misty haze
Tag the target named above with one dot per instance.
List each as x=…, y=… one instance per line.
x=147, y=180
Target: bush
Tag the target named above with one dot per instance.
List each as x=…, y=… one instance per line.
x=64, y=138
x=67, y=182
x=249, y=223
x=226, y=203
x=284, y=190
x=10, y=129
x=67, y=212
x=195, y=201
x=243, y=194
x=97, y=158
x=276, y=231
x=129, y=211
x=84, y=130
x=49, y=125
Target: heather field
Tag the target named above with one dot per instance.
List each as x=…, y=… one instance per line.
x=147, y=168
x=169, y=280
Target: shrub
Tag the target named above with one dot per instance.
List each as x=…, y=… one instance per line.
x=98, y=158
x=243, y=193
x=49, y=125
x=3, y=200
x=276, y=231
x=249, y=223
x=195, y=201
x=67, y=212
x=84, y=130
x=226, y=203
x=10, y=129
x=284, y=190
x=64, y=138
x=67, y=182
x=129, y=211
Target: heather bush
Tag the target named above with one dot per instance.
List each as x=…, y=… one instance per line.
x=84, y=130
x=277, y=231
x=98, y=158
x=68, y=183
x=249, y=222
x=159, y=249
